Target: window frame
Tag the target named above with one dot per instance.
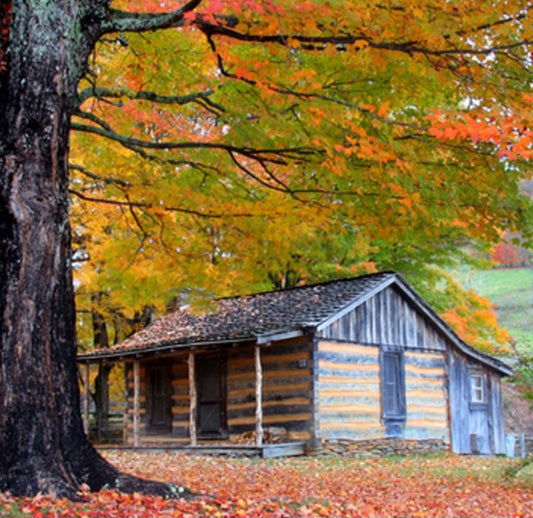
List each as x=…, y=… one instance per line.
x=478, y=393
x=393, y=380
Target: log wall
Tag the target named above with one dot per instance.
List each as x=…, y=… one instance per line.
x=180, y=398
x=349, y=393
x=241, y=391
x=426, y=398
x=287, y=387
x=286, y=391
x=349, y=399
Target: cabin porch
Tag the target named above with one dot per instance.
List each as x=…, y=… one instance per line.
x=217, y=448
x=211, y=402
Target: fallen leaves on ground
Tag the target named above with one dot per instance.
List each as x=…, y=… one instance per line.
x=438, y=485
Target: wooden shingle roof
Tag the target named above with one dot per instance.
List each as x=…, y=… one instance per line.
x=270, y=316
x=249, y=317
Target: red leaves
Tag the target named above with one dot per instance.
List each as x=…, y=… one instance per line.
x=5, y=23
x=436, y=486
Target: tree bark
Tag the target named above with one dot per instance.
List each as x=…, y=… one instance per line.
x=43, y=447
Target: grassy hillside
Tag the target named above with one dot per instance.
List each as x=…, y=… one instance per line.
x=511, y=290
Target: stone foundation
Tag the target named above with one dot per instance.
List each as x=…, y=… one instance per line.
x=379, y=447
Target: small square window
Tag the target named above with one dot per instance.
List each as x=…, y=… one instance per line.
x=477, y=388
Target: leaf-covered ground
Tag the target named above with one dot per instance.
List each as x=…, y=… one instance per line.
x=437, y=485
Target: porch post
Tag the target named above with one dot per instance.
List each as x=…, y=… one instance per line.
x=193, y=399
x=136, y=402
x=86, y=372
x=258, y=397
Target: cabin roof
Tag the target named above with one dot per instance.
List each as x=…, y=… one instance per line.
x=270, y=316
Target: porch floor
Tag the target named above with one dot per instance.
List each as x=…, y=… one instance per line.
x=224, y=449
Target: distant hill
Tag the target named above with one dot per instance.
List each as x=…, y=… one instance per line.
x=511, y=290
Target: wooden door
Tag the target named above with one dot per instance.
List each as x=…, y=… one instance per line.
x=211, y=390
x=159, y=395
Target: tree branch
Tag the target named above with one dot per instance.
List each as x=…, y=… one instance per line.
x=307, y=42
x=201, y=98
x=142, y=205
x=104, y=179
x=277, y=156
x=123, y=21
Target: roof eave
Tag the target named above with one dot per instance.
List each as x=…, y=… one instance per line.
x=158, y=349
x=276, y=336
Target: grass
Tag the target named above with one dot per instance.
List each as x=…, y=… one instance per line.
x=511, y=291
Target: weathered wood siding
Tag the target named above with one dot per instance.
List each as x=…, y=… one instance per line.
x=476, y=428
x=498, y=426
x=349, y=399
x=387, y=318
x=425, y=391
x=287, y=387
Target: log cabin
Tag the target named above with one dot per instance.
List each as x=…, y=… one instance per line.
x=350, y=361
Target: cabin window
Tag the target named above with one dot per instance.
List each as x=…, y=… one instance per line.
x=393, y=387
x=478, y=388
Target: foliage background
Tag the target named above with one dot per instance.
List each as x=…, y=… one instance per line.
x=267, y=144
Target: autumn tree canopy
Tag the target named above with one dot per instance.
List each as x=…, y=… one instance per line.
x=232, y=143
x=263, y=144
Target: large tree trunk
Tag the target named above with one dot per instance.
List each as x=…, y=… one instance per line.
x=43, y=447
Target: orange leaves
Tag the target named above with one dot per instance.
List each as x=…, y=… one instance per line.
x=475, y=321
x=506, y=133
x=443, y=485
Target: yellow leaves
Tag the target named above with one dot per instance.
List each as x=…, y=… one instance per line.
x=304, y=76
